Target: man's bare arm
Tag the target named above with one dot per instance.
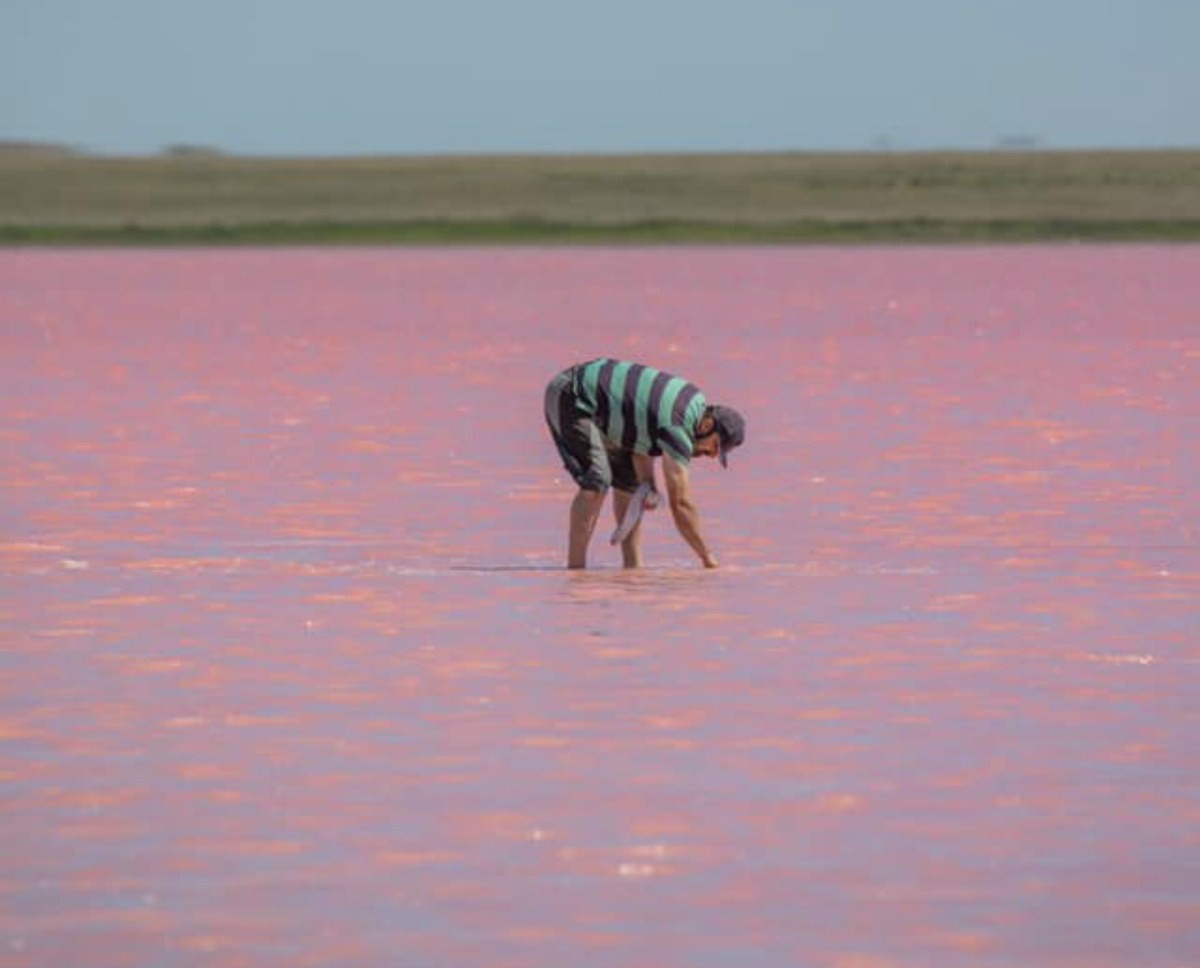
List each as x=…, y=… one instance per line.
x=684, y=511
x=643, y=467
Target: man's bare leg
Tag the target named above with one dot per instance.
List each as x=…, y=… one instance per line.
x=631, y=547
x=585, y=512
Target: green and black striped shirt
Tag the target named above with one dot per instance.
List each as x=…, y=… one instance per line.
x=640, y=408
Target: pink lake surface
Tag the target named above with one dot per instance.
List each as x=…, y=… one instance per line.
x=291, y=676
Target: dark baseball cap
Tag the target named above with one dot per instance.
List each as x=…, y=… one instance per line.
x=731, y=430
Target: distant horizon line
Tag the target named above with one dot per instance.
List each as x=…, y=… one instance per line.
x=186, y=150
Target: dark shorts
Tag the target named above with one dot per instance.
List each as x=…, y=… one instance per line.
x=585, y=453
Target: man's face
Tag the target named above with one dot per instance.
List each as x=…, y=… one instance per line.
x=707, y=446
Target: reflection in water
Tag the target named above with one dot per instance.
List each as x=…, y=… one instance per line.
x=292, y=674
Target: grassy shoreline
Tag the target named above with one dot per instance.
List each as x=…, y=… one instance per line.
x=786, y=198
x=648, y=233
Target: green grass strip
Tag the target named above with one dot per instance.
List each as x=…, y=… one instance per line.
x=536, y=231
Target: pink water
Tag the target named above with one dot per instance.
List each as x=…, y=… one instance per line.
x=291, y=676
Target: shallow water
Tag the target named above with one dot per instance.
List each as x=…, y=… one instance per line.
x=291, y=674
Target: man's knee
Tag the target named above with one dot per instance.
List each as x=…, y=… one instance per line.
x=592, y=495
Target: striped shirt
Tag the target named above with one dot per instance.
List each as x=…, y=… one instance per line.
x=640, y=408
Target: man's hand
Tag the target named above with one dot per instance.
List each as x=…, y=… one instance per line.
x=710, y=561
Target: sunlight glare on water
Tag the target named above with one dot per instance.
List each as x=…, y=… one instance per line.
x=293, y=676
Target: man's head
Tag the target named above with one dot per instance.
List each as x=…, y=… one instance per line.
x=720, y=430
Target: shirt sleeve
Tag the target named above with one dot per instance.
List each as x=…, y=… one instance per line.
x=676, y=442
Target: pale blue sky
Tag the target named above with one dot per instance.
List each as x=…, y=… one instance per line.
x=291, y=77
